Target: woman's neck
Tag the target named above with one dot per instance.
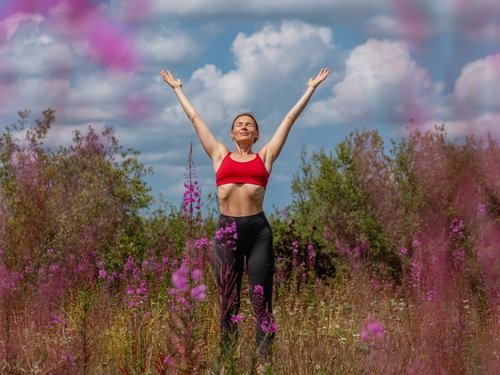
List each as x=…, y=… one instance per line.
x=244, y=149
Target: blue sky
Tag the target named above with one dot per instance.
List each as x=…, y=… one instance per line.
x=98, y=63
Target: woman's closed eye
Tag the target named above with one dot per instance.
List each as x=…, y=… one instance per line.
x=248, y=125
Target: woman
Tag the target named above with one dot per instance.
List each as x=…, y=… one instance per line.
x=241, y=178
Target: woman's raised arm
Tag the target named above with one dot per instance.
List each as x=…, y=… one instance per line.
x=273, y=148
x=212, y=146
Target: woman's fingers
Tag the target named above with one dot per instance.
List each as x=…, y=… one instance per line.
x=323, y=73
x=167, y=76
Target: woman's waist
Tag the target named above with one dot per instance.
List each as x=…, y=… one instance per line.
x=240, y=201
x=249, y=226
x=233, y=208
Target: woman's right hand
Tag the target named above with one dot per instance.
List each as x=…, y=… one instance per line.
x=169, y=78
x=323, y=73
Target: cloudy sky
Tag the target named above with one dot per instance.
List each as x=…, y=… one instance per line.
x=393, y=63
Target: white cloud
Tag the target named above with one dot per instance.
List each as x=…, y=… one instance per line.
x=382, y=25
x=35, y=94
x=61, y=134
x=283, y=47
x=479, y=126
x=158, y=156
x=10, y=25
x=417, y=21
x=164, y=47
x=476, y=19
x=30, y=52
x=477, y=89
x=382, y=83
x=405, y=27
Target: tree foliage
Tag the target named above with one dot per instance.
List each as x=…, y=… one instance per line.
x=363, y=201
x=87, y=195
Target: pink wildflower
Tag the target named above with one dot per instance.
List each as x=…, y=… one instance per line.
x=179, y=279
x=196, y=275
x=238, y=318
x=431, y=295
x=168, y=361
x=268, y=325
x=311, y=255
x=201, y=243
x=258, y=290
x=372, y=330
x=481, y=210
x=199, y=292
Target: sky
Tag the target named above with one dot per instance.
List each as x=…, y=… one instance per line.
x=394, y=65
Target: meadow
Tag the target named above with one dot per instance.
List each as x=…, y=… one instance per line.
x=387, y=261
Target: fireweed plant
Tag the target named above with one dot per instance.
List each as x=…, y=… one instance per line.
x=185, y=342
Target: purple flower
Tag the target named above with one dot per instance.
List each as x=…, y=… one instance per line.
x=268, y=325
x=458, y=258
x=68, y=358
x=196, y=275
x=481, y=210
x=8, y=280
x=228, y=235
x=201, y=243
x=403, y=251
x=311, y=255
x=55, y=320
x=191, y=197
x=168, y=361
x=416, y=268
x=372, y=330
x=136, y=296
x=258, y=290
x=142, y=289
x=431, y=295
x=199, y=292
x=102, y=273
x=238, y=318
x=457, y=228
x=416, y=243
x=179, y=279
x=112, y=277
x=376, y=329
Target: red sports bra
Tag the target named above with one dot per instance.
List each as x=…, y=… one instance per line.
x=242, y=172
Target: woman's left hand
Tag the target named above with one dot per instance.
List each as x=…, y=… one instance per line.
x=314, y=82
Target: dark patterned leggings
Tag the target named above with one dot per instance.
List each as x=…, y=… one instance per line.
x=238, y=240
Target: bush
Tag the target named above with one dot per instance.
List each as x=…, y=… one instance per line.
x=88, y=195
x=365, y=203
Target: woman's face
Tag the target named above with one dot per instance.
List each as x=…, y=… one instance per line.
x=244, y=130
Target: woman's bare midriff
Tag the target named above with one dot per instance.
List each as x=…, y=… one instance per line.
x=240, y=199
